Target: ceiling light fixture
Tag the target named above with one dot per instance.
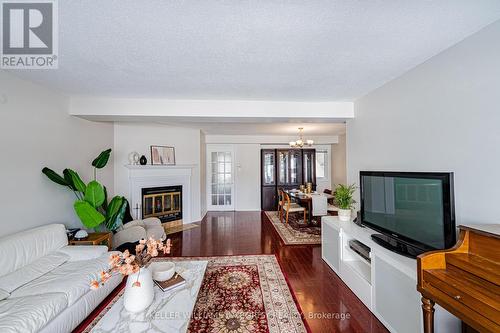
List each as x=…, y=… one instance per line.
x=301, y=142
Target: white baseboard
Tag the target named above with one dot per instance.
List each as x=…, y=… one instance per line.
x=205, y=214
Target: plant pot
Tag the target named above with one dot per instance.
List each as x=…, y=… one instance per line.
x=138, y=298
x=344, y=215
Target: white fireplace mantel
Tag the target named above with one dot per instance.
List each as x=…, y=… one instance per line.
x=159, y=167
x=143, y=176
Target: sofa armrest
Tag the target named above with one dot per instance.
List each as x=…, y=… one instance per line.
x=84, y=252
x=130, y=235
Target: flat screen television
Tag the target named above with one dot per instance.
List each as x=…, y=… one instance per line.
x=413, y=211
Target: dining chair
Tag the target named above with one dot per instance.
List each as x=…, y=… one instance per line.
x=330, y=192
x=290, y=207
x=281, y=201
x=331, y=207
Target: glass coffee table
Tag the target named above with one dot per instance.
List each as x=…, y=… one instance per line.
x=170, y=311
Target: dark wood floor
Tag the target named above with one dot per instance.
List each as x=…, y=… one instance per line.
x=319, y=291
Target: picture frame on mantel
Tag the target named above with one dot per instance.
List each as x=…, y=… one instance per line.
x=162, y=155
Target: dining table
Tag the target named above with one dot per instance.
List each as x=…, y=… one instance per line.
x=305, y=199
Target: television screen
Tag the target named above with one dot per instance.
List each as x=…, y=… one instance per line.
x=409, y=206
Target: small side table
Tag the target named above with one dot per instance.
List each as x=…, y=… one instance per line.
x=94, y=238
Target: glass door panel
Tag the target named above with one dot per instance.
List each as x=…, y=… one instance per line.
x=283, y=165
x=293, y=169
x=309, y=166
x=294, y=163
x=220, y=179
x=268, y=171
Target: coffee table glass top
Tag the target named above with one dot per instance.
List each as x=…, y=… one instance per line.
x=170, y=311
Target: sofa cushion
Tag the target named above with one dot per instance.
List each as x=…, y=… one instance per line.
x=30, y=314
x=20, y=249
x=32, y=271
x=71, y=278
x=83, y=252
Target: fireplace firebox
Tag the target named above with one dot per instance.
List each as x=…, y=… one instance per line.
x=163, y=202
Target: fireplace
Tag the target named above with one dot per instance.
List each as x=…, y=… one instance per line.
x=163, y=202
x=149, y=177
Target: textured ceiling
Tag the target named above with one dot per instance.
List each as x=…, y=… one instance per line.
x=269, y=50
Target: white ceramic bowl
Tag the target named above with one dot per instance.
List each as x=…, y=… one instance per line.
x=162, y=270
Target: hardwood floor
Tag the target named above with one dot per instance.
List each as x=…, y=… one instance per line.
x=319, y=291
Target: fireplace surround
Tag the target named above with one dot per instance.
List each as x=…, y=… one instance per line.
x=158, y=177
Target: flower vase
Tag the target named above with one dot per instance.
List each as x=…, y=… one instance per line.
x=139, y=291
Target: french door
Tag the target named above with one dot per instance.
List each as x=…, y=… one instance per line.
x=220, y=177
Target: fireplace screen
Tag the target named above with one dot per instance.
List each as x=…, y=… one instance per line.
x=164, y=203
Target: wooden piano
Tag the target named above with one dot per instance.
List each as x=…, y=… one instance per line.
x=465, y=280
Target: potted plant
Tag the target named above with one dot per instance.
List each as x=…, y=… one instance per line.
x=91, y=205
x=344, y=200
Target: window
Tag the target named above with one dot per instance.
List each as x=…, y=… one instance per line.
x=322, y=164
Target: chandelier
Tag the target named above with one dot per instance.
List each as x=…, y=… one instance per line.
x=301, y=142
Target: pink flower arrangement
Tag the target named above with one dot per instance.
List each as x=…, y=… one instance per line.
x=126, y=263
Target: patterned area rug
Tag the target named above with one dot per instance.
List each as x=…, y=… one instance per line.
x=243, y=294
x=293, y=233
x=239, y=294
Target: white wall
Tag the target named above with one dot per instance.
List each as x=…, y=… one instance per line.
x=274, y=140
x=247, y=176
x=325, y=183
x=203, y=174
x=144, y=108
x=36, y=131
x=139, y=137
x=441, y=116
x=339, y=163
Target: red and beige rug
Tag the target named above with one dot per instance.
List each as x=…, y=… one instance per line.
x=241, y=294
x=293, y=233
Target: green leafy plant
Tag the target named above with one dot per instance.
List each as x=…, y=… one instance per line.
x=91, y=203
x=344, y=196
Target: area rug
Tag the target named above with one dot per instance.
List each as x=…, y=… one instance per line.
x=294, y=233
x=239, y=294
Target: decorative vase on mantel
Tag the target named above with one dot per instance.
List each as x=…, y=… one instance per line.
x=139, y=292
x=143, y=160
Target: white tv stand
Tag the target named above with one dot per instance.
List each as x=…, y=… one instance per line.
x=386, y=285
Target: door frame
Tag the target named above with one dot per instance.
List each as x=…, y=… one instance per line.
x=210, y=148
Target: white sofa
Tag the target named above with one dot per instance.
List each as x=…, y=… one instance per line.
x=44, y=283
x=136, y=230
